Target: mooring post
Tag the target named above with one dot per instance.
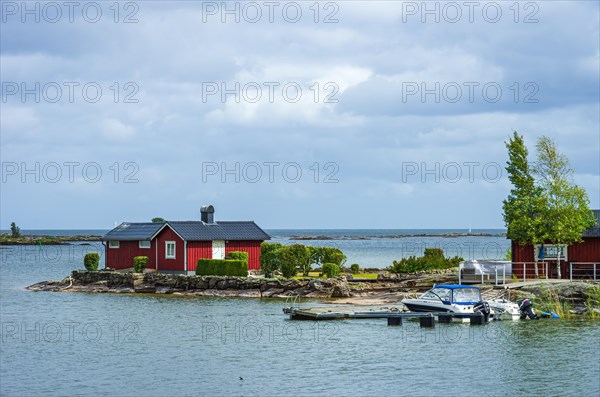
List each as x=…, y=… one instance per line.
x=427, y=321
x=477, y=319
x=395, y=320
x=444, y=318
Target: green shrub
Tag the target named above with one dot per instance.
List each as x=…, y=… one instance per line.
x=331, y=269
x=508, y=254
x=269, y=258
x=355, y=268
x=288, y=269
x=140, y=263
x=433, y=258
x=91, y=260
x=433, y=253
x=332, y=255
x=222, y=267
x=237, y=255
x=292, y=258
x=315, y=255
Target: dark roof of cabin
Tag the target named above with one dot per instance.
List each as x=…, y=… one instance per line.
x=222, y=230
x=133, y=231
x=191, y=231
x=593, y=231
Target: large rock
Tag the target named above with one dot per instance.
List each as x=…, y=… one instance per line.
x=273, y=292
x=341, y=291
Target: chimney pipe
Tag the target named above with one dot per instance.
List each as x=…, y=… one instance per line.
x=207, y=214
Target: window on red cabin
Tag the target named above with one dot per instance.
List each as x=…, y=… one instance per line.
x=170, y=249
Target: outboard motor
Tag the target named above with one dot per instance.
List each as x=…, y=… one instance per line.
x=526, y=309
x=484, y=308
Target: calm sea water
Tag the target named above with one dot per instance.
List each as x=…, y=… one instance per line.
x=110, y=344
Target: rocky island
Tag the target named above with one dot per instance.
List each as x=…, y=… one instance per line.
x=369, y=237
x=7, y=239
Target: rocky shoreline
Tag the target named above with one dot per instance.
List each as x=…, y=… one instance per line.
x=5, y=239
x=104, y=281
x=582, y=297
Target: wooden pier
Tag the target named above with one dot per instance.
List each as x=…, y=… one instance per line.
x=394, y=315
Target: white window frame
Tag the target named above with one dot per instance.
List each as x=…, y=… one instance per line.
x=167, y=243
x=110, y=244
x=145, y=241
x=564, y=248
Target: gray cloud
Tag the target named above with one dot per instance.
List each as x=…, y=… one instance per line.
x=372, y=132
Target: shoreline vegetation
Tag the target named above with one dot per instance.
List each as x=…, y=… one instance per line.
x=569, y=299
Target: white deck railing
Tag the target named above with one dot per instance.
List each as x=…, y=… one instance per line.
x=584, y=270
x=525, y=266
x=501, y=273
x=577, y=270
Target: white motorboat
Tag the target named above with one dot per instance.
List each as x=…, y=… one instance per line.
x=503, y=309
x=455, y=298
x=466, y=299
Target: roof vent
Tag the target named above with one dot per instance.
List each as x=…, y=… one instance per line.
x=207, y=214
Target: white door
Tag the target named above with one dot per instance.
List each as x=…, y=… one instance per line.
x=218, y=249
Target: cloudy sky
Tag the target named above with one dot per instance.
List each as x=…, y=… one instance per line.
x=347, y=114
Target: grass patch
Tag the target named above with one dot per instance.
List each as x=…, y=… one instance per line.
x=549, y=300
x=372, y=276
x=300, y=276
x=593, y=301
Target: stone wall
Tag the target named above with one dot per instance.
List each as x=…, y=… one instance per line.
x=110, y=281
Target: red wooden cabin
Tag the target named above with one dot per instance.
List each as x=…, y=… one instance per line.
x=176, y=246
x=581, y=256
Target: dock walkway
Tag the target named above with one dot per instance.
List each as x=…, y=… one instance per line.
x=394, y=314
x=520, y=284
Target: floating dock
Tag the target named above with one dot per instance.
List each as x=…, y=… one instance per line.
x=393, y=314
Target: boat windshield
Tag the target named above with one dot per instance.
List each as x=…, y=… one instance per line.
x=462, y=295
x=437, y=294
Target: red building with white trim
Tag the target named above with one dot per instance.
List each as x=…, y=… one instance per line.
x=581, y=256
x=176, y=246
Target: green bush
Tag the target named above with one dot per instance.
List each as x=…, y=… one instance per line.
x=140, y=263
x=222, y=267
x=331, y=269
x=288, y=269
x=332, y=255
x=315, y=255
x=237, y=255
x=269, y=258
x=293, y=257
x=91, y=260
x=433, y=258
x=432, y=253
x=355, y=268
